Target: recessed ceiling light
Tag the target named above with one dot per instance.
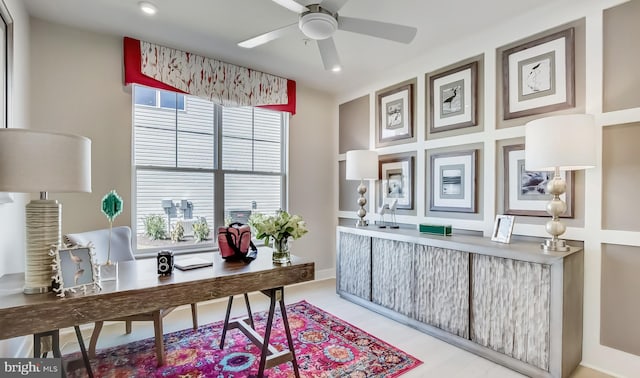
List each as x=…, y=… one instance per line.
x=148, y=8
x=336, y=69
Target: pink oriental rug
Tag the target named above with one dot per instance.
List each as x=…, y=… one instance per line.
x=325, y=346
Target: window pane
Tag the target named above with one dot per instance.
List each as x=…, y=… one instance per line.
x=237, y=138
x=267, y=125
x=154, y=186
x=155, y=147
x=198, y=118
x=169, y=100
x=144, y=96
x=196, y=145
x=195, y=150
x=241, y=190
x=268, y=157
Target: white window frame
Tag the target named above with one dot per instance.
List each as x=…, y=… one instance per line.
x=218, y=177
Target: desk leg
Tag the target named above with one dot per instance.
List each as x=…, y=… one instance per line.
x=285, y=321
x=226, y=322
x=249, y=313
x=85, y=356
x=267, y=333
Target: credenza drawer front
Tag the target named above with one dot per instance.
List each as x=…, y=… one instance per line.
x=354, y=264
x=391, y=278
x=510, y=308
x=442, y=288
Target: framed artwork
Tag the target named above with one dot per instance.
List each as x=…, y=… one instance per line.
x=502, y=228
x=538, y=76
x=395, y=114
x=396, y=181
x=453, y=98
x=453, y=182
x=74, y=268
x=525, y=192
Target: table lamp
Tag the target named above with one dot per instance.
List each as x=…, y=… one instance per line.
x=36, y=161
x=564, y=142
x=362, y=165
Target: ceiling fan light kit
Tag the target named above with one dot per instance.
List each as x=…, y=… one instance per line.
x=318, y=23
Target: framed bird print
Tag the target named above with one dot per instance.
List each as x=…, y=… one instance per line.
x=453, y=100
x=538, y=76
x=395, y=114
x=74, y=269
x=453, y=181
x=525, y=192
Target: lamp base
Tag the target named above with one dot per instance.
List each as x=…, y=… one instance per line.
x=555, y=245
x=362, y=223
x=43, y=232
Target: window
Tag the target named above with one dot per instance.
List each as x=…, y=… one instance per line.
x=4, y=72
x=158, y=99
x=208, y=162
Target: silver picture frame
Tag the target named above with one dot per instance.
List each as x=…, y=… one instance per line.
x=453, y=181
x=503, y=228
x=539, y=76
x=525, y=191
x=453, y=98
x=395, y=114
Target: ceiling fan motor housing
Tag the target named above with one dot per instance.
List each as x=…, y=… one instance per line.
x=318, y=23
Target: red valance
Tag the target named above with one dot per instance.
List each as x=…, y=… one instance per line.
x=224, y=83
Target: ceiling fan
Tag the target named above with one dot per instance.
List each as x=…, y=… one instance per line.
x=320, y=21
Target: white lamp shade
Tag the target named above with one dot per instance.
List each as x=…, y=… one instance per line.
x=362, y=165
x=37, y=161
x=567, y=142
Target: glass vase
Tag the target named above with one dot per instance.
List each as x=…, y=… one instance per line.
x=281, y=254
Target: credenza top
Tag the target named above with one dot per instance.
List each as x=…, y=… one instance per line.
x=516, y=250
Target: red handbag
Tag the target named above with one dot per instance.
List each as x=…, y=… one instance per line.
x=235, y=243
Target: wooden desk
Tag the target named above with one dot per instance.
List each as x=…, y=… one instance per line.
x=139, y=289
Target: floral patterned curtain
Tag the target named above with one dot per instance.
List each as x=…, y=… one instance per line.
x=227, y=84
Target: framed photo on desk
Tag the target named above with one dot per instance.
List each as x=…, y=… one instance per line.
x=75, y=268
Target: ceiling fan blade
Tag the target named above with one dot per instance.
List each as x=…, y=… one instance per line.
x=329, y=54
x=267, y=37
x=291, y=5
x=385, y=30
x=333, y=5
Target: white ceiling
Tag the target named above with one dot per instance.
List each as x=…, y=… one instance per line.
x=214, y=27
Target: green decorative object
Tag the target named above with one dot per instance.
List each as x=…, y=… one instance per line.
x=111, y=207
x=435, y=229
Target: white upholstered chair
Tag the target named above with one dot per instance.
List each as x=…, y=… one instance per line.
x=121, y=250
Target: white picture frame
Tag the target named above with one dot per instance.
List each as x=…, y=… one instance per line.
x=503, y=228
x=453, y=182
x=75, y=269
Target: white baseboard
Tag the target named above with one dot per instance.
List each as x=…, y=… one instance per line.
x=325, y=274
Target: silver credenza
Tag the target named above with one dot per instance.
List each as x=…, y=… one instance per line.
x=509, y=303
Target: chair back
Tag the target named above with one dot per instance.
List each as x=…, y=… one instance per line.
x=121, y=249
